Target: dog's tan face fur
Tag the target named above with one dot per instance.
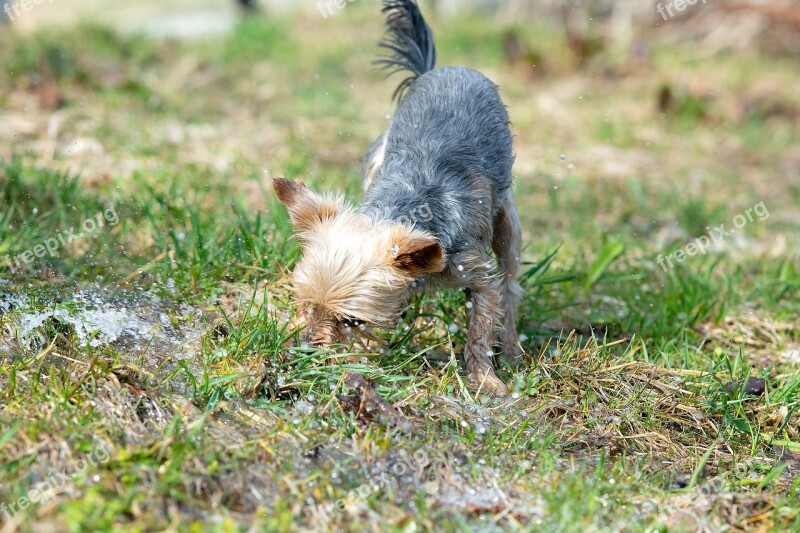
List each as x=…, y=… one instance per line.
x=353, y=273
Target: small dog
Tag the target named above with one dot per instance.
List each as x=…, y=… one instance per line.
x=447, y=155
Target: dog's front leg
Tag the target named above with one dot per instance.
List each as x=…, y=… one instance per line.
x=482, y=315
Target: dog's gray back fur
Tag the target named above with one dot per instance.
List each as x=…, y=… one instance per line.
x=448, y=148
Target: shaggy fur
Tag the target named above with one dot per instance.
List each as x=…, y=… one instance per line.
x=449, y=149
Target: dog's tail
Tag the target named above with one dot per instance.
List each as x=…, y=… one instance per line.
x=409, y=41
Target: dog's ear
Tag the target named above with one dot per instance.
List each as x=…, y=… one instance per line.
x=418, y=254
x=306, y=208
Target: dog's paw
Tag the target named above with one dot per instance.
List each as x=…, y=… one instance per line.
x=489, y=383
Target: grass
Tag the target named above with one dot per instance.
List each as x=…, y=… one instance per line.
x=633, y=410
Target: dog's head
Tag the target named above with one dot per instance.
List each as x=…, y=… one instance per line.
x=353, y=274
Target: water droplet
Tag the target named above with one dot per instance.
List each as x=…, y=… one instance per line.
x=453, y=328
x=304, y=407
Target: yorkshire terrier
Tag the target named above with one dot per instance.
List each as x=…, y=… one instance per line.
x=437, y=196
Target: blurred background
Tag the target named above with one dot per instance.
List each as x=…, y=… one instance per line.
x=550, y=49
x=770, y=24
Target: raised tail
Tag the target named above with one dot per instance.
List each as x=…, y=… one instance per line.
x=409, y=41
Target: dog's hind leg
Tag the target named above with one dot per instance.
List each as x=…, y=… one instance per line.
x=373, y=161
x=507, y=246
